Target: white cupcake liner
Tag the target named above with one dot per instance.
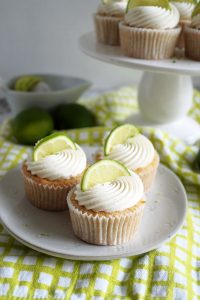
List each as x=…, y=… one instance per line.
x=112, y=229
x=192, y=43
x=148, y=43
x=107, y=29
x=148, y=174
x=181, y=40
x=45, y=196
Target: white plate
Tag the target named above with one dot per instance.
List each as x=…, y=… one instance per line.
x=114, y=55
x=51, y=232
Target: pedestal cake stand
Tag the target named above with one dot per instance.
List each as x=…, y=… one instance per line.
x=165, y=91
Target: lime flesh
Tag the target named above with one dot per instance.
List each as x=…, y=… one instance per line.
x=160, y=3
x=119, y=135
x=101, y=172
x=52, y=144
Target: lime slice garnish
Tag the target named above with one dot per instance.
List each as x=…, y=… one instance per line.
x=52, y=144
x=160, y=3
x=103, y=171
x=196, y=10
x=119, y=135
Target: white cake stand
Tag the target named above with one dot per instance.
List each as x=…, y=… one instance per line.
x=165, y=92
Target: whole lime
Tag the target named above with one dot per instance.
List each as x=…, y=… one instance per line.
x=197, y=162
x=69, y=116
x=31, y=125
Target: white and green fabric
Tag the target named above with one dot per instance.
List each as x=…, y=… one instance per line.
x=170, y=272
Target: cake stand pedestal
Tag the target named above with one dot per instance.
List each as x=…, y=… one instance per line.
x=165, y=91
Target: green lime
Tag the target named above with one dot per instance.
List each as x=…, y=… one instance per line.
x=160, y=3
x=51, y=144
x=26, y=83
x=31, y=125
x=119, y=135
x=69, y=116
x=103, y=171
x=197, y=162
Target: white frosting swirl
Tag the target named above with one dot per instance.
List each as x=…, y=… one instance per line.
x=117, y=195
x=62, y=165
x=137, y=152
x=185, y=10
x=196, y=22
x=153, y=17
x=113, y=8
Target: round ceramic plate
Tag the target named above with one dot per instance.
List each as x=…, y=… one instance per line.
x=114, y=55
x=51, y=232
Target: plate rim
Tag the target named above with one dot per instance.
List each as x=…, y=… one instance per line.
x=100, y=258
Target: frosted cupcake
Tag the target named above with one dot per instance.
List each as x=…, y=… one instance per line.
x=55, y=168
x=150, y=31
x=107, y=210
x=107, y=19
x=126, y=145
x=192, y=36
x=185, y=8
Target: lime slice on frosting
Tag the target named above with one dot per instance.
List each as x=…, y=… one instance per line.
x=103, y=171
x=119, y=135
x=52, y=144
x=196, y=10
x=160, y=3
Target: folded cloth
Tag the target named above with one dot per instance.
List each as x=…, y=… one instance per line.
x=170, y=272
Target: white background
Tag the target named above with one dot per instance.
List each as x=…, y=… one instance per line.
x=42, y=36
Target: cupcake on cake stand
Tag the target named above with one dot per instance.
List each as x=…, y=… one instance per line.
x=165, y=92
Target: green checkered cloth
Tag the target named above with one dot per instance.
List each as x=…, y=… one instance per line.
x=170, y=272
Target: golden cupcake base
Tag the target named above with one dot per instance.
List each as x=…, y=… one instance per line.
x=107, y=29
x=192, y=43
x=47, y=194
x=101, y=228
x=148, y=43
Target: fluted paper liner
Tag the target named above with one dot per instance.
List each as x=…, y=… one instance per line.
x=107, y=29
x=47, y=196
x=181, y=40
x=192, y=43
x=105, y=228
x=148, y=43
x=146, y=174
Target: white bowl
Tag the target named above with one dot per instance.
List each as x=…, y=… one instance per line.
x=65, y=89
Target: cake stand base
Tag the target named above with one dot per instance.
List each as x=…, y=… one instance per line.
x=185, y=129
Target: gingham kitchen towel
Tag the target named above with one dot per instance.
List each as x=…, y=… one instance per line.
x=170, y=272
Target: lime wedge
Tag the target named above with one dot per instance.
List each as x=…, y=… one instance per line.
x=119, y=135
x=160, y=3
x=52, y=144
x=27, y=83
x=196, y=10
x=105, y=170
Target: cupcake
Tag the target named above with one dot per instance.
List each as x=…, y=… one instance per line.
x=107, y=212
x=185, y=8
x=55, y=168
x=135, y=151
x=150, y=31
x=107, y=19
x=192, y=36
